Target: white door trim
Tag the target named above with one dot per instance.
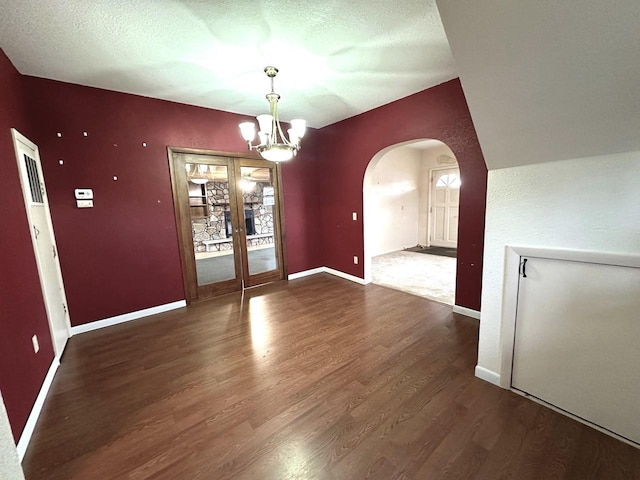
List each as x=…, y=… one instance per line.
x=17, y=139
x=511, y=282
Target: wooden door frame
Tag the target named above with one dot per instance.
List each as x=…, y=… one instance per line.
x=183, y=217
x=270, y=276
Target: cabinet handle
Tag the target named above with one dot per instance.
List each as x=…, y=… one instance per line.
x=523, y=268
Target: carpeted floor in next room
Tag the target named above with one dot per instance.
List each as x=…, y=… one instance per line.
x=428, y=276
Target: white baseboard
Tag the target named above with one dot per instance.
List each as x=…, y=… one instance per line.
x=487, y=375
x=305, y=273
x=27, y=432
x=126, y=317
x=466, y=311
x=346, y=276
x=331, y=271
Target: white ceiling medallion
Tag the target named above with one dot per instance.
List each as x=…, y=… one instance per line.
x=274, y=145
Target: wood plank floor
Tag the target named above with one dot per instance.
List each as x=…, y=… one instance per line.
x=318, y=378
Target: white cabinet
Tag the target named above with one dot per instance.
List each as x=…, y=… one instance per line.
x=577, y=340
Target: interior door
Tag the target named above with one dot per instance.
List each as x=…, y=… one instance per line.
x=259, y=208
x=204, y=193
x=43, y=239
x=576, y=341
x=445, y=201
x=228, y=216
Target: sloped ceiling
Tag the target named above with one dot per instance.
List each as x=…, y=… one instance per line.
x=548, y=80
x=337, y=58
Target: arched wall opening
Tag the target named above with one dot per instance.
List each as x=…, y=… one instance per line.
x=347, y=148
x=396, y=198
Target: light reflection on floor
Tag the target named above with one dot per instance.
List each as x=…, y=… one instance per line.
x=260, y=329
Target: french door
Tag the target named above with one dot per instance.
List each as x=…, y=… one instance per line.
x=229, y=222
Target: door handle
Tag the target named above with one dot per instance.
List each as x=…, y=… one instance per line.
x=36, y=231
x=523, y=268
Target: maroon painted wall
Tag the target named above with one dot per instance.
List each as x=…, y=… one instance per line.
x=348, y=146
x=122, y=255
x=303, y=231
x=22, y=312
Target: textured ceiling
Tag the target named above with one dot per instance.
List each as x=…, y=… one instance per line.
x=337, y=58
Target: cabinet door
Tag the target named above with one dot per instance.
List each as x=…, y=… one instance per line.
x=577, y=341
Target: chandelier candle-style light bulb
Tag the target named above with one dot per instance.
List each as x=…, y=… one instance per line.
x=273, y=144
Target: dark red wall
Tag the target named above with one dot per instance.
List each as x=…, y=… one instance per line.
x=122, y=255
x=303, y=231
x=439, y=113
x=22, y=312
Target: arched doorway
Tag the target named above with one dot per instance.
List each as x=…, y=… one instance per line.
x=411, y=194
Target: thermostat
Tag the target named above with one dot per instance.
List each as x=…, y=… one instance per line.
x=84, y=197
x=84, y=194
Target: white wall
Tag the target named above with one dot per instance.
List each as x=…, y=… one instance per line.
x=395, y=188
x=392, y=209
x=548, y=80
x=582, y=204
x=10, y=468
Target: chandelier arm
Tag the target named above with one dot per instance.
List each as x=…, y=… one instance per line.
x=284, y=139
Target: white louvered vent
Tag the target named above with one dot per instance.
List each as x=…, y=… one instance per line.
x=34, y=180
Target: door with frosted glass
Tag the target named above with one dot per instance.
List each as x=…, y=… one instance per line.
x=258, y=207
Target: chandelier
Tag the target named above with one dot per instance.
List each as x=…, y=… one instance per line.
x=274, y=145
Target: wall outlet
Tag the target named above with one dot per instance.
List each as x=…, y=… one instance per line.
x=355, y=216
x=36, y=345
x=355, y=260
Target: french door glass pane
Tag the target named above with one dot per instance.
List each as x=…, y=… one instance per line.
x=211, y=222
x=258, y=195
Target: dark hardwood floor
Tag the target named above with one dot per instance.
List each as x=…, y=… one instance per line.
x=318, y=378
